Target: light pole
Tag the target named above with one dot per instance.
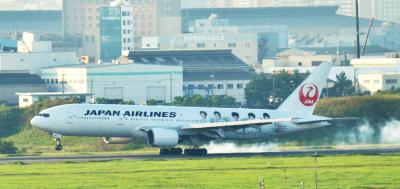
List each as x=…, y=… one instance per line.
x=358, y=31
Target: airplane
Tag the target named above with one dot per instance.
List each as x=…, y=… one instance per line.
x=168, y=127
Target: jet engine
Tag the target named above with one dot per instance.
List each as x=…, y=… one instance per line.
x=116, y=140
x=161, y=137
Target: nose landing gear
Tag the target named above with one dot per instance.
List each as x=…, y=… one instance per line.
x=57, y=138
x=58, y=146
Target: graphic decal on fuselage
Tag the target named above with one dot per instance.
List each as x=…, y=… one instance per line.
x=308, y=94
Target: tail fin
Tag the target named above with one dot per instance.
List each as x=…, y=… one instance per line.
x=305, y=97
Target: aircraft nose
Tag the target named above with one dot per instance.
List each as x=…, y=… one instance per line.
x=35, y=121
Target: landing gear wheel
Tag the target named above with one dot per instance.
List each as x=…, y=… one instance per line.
x=196, y=152
x=58, y=146
x=171, y=151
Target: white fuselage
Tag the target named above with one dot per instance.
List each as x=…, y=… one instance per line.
x=129, y=121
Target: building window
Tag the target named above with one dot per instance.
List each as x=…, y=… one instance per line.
x=239, y=86
x=200, y=86
x=200, y=45
x=229, y=86
x=231, y=45
x=366, y=81
x=25, y=100
x=391, y=81
x=220, y=86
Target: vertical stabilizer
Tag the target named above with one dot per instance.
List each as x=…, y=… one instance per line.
x=305, y=97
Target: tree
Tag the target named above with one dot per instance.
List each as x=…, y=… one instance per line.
x=268, y=91
x=258, y=91
x=198, y=100
x=7, y=147
x=343, y=86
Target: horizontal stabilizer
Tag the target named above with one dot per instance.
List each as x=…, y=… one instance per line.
x=329, y=120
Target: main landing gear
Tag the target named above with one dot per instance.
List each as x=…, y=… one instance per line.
x=196, y=152
x=171, y=151
x=188, y=152
x=57, y=138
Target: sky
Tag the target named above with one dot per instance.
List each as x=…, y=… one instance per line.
x=30, y=4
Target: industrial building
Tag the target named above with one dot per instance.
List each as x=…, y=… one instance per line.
x=250, y=43
x=12, y=82
x=117, y=82
x=297, y=58
x=205, y=72
x=372, y=83
x=328, y=28
x=376, y=65
x=28, y=98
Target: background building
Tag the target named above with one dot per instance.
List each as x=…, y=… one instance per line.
x=29, y=98
x=128, y=25
x=117, y=82
x=372, y=83
x=387, y=10
x=17, y=82
x=205, y=72
x=328, y=28
x=32, y=55
x=116, y=31
x=218, y=3
x=81, y=18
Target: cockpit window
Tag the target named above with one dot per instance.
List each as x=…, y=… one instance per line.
x=44, y=115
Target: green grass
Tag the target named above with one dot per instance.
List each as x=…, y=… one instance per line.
x=278, y=172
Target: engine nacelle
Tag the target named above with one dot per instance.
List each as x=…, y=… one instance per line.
x=161, y=137
x=116, y=140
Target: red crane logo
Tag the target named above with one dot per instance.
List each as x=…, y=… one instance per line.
x=308, y=94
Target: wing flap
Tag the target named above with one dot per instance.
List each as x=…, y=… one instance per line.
x=254, y=122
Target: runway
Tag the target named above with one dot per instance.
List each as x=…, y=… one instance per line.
x=307, y=152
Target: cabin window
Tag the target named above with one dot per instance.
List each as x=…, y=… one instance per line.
x=252, y=116
x=235, y=116
x=266, y=116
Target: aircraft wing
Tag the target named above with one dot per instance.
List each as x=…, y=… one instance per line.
x=233, y=124
x=329, y=120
